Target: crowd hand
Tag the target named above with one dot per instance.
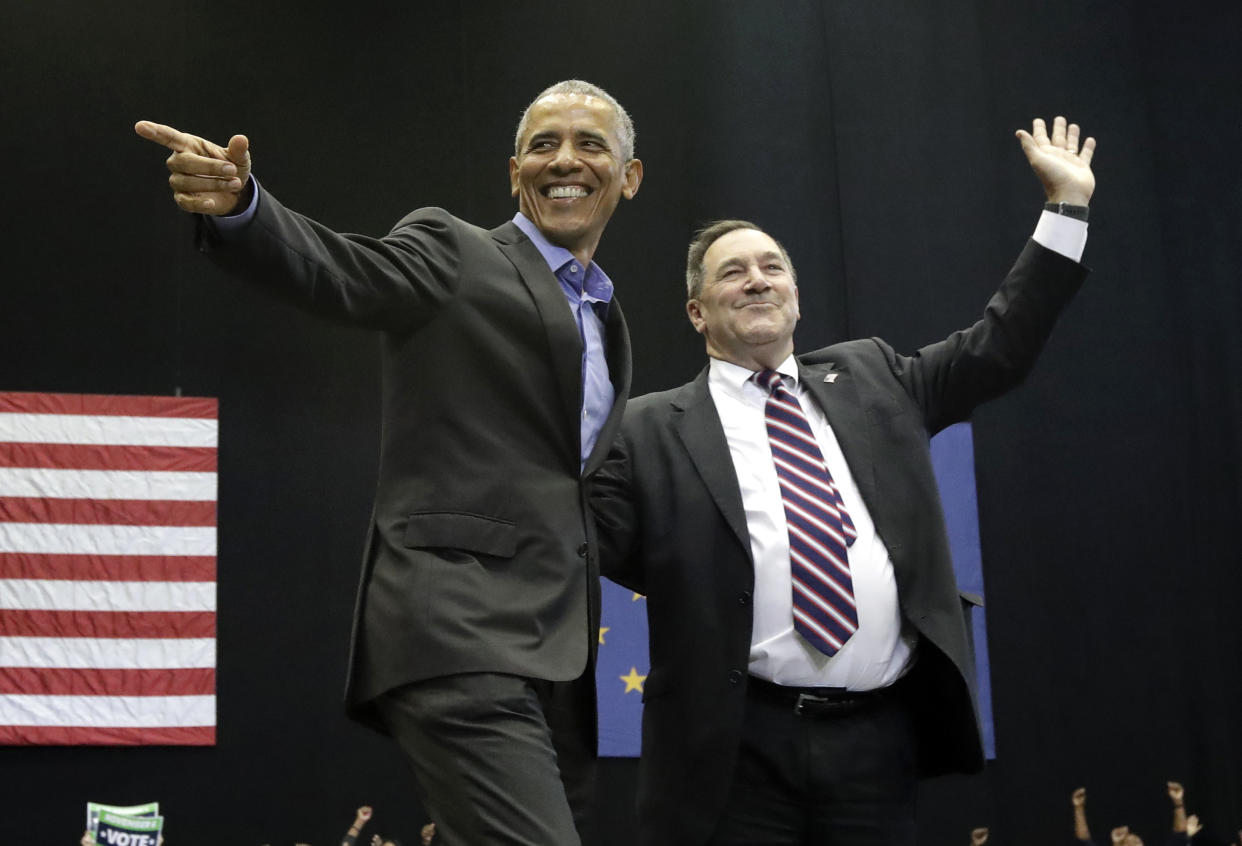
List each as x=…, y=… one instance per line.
x=204, y=177
x=428, y=832
x=1120, y=834
x=1193, y=826
x=1176, y=793
x=1062, y=166
x=364, y=815
x=978, y=836
x=1079, y=797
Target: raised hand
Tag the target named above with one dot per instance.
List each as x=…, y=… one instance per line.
x=1061, y=164
x=978, y=836
x=1079, y=800
x=1176, y=792
x=1193, y=826
x=205, y=177
x=1120, y=834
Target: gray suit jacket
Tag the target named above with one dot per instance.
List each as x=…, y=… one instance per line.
x=479, y=557
x=672, y=526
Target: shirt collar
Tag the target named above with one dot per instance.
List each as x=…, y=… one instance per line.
x=736, y=379
x=594, y=285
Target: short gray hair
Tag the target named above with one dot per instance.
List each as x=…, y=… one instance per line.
x=702, y=242
x=625, y=126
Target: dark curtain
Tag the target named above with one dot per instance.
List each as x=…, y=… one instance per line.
x=873, y=138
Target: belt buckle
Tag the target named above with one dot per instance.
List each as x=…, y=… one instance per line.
x=804, y=698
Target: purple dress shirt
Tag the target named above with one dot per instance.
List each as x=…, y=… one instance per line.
x=588, y=292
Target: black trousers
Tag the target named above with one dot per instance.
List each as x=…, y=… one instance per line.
x=844, y=778
x=499, y=759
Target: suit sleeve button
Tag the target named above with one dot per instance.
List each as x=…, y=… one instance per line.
x=582, y=550
x=743, y=598
x=735, y=677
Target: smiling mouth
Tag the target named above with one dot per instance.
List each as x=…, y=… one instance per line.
x=566, y=192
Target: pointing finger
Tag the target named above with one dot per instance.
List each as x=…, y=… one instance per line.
x=171, y=138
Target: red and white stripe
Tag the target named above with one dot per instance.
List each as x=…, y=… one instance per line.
x=826, y=487
x=809, y=622
x=812, y=519
x=844, y=622
x=815, y=547
x=107, y=569
x=811, y=569
x=794, y=432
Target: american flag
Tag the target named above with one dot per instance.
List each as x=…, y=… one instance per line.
x=107, y=569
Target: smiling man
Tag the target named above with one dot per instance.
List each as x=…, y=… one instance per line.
x=505, y=362
x=809, y=655
x=571, y=166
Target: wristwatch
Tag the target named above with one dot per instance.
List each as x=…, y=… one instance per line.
x=1067, y=209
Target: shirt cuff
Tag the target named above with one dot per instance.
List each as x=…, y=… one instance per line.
x=1061, y=234
x=228, y=224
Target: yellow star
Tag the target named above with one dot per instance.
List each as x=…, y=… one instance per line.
x=633, y=681
x=602, y=630
x=637, y=597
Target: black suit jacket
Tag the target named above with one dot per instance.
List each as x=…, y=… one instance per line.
x=479, y=557
x=672, y=526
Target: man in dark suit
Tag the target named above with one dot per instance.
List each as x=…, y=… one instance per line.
x=505, y=370
x=809, y=656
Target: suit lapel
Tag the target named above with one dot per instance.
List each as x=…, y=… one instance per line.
x=837, y=394
x=565, y=346
x=704, y=440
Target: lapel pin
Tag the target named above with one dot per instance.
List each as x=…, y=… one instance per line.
x=830, y=378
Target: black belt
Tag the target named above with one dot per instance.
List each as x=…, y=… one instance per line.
x=818, y=702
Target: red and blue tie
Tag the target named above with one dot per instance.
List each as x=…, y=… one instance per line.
x=820, y=529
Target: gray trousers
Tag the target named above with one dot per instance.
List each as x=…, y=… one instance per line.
x=499, y=759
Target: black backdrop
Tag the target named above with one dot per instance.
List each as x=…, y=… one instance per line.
x=875, y=138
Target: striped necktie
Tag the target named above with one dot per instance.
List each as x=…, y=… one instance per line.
x=820, y=529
